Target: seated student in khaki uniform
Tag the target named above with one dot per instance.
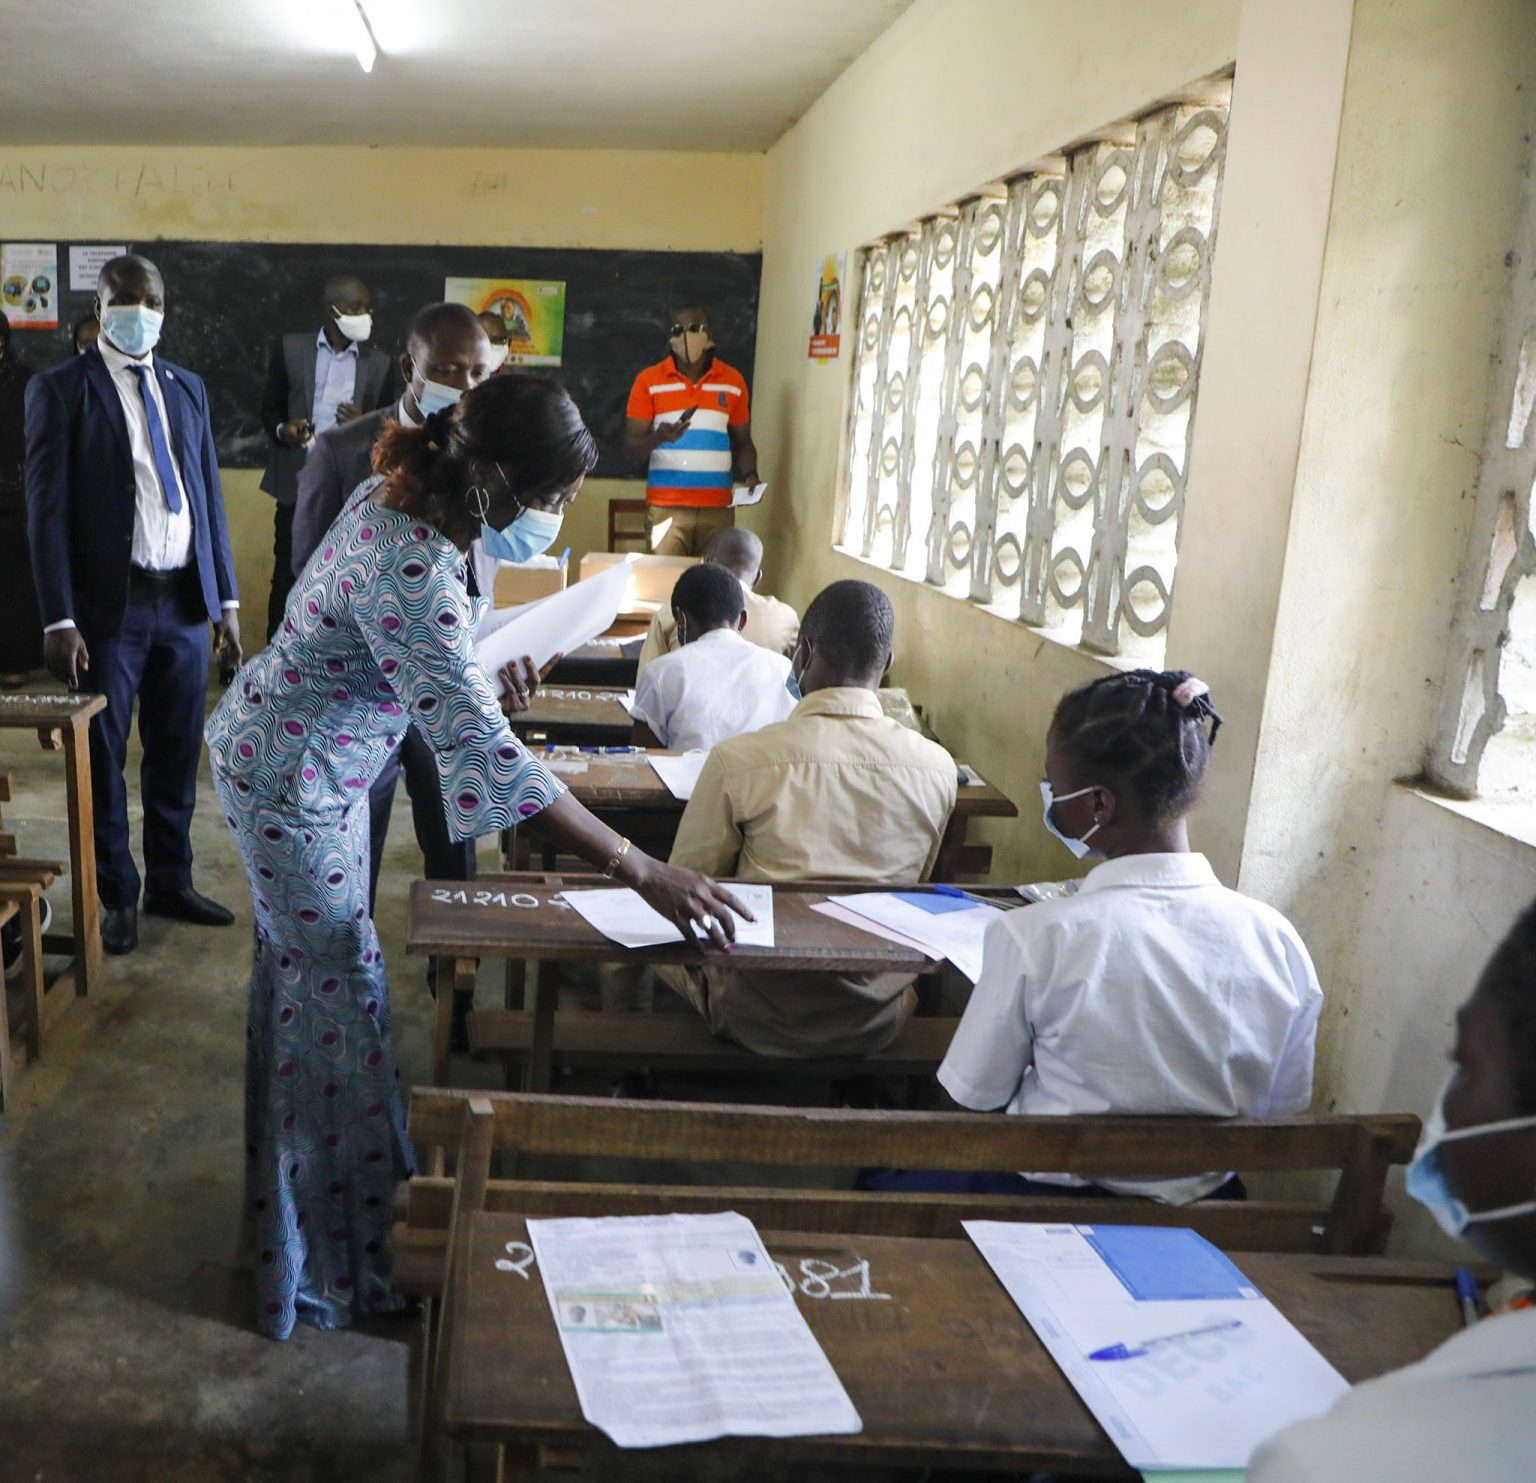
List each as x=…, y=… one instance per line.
x=771, y=624
x=838, y=791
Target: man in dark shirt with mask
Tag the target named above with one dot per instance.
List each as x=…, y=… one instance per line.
x=316, y=382
x=689, y=419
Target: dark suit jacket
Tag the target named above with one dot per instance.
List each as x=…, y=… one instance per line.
x=81, y=493
x=340, y=460
x=290, y=395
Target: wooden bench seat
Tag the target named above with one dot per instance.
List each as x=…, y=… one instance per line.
x=683, y=1042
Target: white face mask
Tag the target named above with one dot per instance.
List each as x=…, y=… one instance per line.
x=1079, y=847
x=354, y=326
x=1426, y=1180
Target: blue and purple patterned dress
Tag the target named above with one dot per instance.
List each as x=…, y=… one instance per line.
x=379, y=631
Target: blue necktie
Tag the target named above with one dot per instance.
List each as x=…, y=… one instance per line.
x=163, y=465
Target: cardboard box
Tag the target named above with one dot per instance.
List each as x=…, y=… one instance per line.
x=516, y=584
x=653, y=577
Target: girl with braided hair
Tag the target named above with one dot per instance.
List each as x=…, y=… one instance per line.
x=1155, y=990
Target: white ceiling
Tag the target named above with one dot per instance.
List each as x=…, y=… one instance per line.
x=608, y=74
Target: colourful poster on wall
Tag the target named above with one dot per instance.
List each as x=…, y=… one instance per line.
x=29, y=284
x=533, y=312
x=827, y=315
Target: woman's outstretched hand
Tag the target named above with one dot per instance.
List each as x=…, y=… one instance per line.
x=693, y=903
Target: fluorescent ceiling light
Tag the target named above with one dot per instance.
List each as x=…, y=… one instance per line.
x=360, y=35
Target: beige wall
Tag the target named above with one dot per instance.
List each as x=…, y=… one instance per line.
x=533, y=198
x=917, y=121
x=1372, y=179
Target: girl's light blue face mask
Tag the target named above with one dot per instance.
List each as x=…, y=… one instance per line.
x=133, y=328
x=1079, y=847
x=1426, y=1180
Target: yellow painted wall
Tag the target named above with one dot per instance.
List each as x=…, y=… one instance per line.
x=956, y=93
x=530, y=198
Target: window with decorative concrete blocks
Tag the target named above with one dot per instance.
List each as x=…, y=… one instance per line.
x=1025, y=380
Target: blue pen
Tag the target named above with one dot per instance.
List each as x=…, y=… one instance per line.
x=1466, y=1291
x=955, y=891
x=1141, y=1346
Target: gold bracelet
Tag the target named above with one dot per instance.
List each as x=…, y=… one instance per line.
x=618, y=855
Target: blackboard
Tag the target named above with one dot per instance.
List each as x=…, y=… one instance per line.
x=227, y=302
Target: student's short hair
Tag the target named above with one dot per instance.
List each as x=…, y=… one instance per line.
x=738, y=550
x=709, y=595
x=851, y=622
x=1147, y=730
x=1510, y=981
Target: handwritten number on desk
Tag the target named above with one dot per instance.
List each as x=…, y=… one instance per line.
x=817, y=1276
x=487, y=898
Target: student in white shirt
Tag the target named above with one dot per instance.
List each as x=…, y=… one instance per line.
x=1462, y=1413
x=1155, y=990
x=717, y=685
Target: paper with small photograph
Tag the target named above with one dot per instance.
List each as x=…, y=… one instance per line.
x=678, y=1328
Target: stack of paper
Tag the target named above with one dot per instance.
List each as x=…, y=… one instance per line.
x=947, y=926
x=679, y=773
x=1185, y=1364
x=678, y=1329
x=554, y=625
x=622, y=916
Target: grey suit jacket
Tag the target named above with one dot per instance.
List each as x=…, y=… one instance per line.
x=340, y=460
x=290, y=395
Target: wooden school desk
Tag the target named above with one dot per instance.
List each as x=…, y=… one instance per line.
x=518, y=918
x=62, y=723
x=940, y=1364
x=627, y=793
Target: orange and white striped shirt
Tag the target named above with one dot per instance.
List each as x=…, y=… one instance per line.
x=695, y=470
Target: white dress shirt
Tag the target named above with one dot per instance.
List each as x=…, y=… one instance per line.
x=335, y=381
x=1462, y=1413
x=1154, y=991
x=162, y=538
x=718, y=686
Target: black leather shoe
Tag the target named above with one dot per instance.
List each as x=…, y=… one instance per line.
x=187, y=905
x=119, y=930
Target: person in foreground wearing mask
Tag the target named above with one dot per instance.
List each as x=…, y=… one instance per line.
x=689, y=421
x=131, y=558
x=838, y=791
x=1463, y=1412
x=315, y=382
x=1155, y=991
x=446, y=354
x=380, y=632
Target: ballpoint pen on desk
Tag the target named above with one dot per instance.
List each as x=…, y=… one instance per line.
x=1466, y=1293
x=1140, y=1346
x=940, y=889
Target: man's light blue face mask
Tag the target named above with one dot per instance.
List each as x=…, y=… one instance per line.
x=133, y=328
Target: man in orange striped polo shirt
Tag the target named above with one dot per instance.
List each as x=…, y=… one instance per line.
x=689, y=419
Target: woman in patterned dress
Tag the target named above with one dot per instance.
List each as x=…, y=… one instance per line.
x=379, y=631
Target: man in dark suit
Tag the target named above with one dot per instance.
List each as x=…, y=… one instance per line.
x=316, y=382
x=447, y=352
x=130, y=551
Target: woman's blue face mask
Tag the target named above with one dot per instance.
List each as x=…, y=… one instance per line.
x=530, y=535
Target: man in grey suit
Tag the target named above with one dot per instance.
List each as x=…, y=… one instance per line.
x=447, y=353
x=314, y=383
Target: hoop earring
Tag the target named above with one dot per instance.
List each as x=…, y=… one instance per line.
x=479, y=510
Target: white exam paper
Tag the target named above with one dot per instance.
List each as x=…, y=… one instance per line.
x=555, y=624
x=679, y=773
x=742, y=494
x=677, y=1328
x=1205, y=1402
x=955, y=935
x=622, y=916
x=865, y=924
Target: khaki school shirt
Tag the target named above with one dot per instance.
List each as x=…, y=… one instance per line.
x=771, y=624
x=840, y=792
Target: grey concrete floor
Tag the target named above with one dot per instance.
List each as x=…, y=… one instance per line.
x=131, y=1354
